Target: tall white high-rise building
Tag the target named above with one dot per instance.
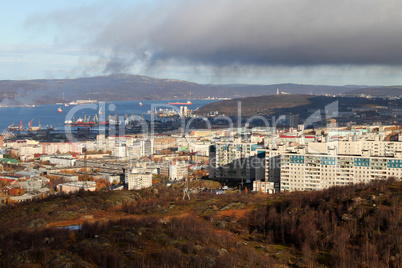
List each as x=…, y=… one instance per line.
x=147, y=147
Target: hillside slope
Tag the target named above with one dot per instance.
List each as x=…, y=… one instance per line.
x=377, y=91
x=136, y=87
x=350, y=226
x=283, y=104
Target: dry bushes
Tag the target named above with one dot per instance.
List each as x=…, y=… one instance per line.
x=349, y=228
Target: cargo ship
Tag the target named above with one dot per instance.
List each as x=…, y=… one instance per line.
x=86, y=122
x=33, y=128
x=15, y=128
x=79, y=102
x=181, y=103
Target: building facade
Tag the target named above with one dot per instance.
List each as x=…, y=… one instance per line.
x=137, y=181
x=233, y=160
x=305, y=172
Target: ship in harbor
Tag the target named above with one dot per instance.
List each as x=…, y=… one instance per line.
x=95, y=121
x=59, y=110
x=86, y=122
x=79, y=102
x=19, y=128
x=181, y=103
x=15, y=128
x=34, y=128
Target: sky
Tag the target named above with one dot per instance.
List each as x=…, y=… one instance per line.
x=340, y=42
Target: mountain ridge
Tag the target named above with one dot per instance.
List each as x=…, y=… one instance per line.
x=119, y=87
x=377, y=91
x=287, y=103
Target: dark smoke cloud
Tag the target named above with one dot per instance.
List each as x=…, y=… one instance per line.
x=237, y=32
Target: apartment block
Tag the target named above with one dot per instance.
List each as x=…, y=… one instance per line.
x=61, y=147
x=178, y=170
x=62, y=160
x=147, y=147
x=233, y=160
x=265, y=187
x=371, y=144
x=119, y=151
x=76, y=186
x=137, y=181
x=305, y=172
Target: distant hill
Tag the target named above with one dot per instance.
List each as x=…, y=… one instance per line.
x=262, y=105
x=258, y=90
x=106, y=88
x=376, y=91
x=278, y=104
x=135, y=87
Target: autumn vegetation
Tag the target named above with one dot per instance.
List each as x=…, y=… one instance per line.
x=342, y=226
x=353, y=226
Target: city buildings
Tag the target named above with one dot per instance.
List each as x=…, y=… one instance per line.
x=178, y=170
x=147, y=147
x=137, y=181
x=288, y=158
x=76, y=186
x=304, y=172
x=233, y=160
x=294, y=161
x=62, y=160
x=174, y=170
